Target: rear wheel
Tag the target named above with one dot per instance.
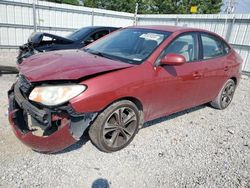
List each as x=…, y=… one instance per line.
x=225, y=96
x=115, y=127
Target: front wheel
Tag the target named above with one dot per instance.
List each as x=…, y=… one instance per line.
x=225, y=96
x=115, y=127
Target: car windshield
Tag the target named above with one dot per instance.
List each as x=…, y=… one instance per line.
x=130, y=45
x=78, y=34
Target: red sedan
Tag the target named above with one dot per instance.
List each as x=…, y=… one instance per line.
x=114, y=85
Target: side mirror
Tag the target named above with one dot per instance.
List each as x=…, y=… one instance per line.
x=173, y=59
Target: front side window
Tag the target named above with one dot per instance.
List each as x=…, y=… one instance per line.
x=212, y=47
x=183, y=45
x=130, y=45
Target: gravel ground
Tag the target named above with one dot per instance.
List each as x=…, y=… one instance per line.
x=199, y=147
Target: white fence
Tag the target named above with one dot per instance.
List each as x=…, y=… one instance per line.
x=234, y=28
x=19, y=18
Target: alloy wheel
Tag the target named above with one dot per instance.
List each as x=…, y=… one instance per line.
x=120, y=127
x=227, y=94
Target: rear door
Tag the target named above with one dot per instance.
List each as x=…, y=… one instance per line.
x=213, y=57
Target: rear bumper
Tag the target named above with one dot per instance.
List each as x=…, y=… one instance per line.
x=71, y=127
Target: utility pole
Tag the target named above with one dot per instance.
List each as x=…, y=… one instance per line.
x=230, y=6
x=34, y=15
x=135, y=16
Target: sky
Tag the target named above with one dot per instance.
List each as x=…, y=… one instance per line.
x=241, y=6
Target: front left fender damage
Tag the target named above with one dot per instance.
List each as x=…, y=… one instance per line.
x=45, y=129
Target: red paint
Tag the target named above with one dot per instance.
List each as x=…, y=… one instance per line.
x=173, y=59
x=66, y=65
x=162, y=90
x=56, y=142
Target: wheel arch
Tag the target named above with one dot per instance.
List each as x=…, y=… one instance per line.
x=235, y=80
x=138, y=104
x=136, y=101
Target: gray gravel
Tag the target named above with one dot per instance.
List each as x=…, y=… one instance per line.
x=200, y=147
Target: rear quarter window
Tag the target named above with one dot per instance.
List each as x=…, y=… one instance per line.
x=213, y=47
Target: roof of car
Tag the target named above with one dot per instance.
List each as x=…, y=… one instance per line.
x=168, y=28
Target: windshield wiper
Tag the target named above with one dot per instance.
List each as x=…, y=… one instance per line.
x=98, y=53
x=94, y=52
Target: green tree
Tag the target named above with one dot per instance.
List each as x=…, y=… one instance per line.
x=204, y=7
x=117, y=5
x=152, y=6
x=183, y=6
x=71, y=2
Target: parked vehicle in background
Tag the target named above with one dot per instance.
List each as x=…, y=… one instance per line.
x=8, y=70
x=115, y=84
x=44, y=42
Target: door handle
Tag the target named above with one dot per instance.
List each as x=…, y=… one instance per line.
x=226, y=68
x=197, y=75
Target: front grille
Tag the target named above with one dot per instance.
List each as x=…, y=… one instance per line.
x=24, y=84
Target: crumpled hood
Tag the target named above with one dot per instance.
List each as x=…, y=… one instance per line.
x=66, y=65
x=36, y=38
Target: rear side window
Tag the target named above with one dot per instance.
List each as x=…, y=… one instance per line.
x=212, y=47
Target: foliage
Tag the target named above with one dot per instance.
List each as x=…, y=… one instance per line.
x=71, y=2
x=152, y=6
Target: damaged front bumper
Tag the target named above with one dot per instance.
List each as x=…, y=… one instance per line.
x=25, y=51
x=45, y=129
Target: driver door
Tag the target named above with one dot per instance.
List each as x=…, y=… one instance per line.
x=176, y=87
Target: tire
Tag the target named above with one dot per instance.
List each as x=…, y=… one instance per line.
x=225, y=95
x=115, y=127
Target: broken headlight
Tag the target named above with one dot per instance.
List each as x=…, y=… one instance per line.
x=55, y=95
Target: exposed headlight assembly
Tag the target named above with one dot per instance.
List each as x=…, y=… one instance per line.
x=55, y=95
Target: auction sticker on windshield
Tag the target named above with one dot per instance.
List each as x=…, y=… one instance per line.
x=151, y=36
